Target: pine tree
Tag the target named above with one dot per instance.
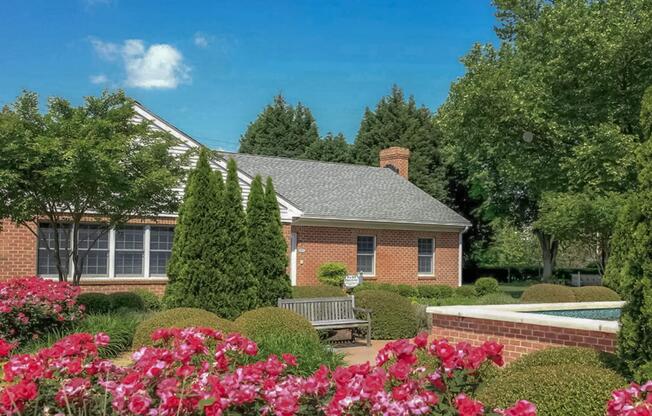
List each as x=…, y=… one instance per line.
x=629, y=269
x=238, y=293
x=330, y=148
x=280, y=130
x=397, y=122
x=277, y=250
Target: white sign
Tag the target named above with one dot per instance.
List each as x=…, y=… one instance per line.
x=352, y=281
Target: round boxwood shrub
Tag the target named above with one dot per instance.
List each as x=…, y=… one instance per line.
x=392, y=315
x=595, y=294
x=588, y=357
x=465, y=291
x=126, y=300
x=179, y=318
x=435, y=291
x=496, y=299
x=95, y=302
x=261, y=322
x=321, y=291
x=557, y=390
x=332, y=274
x=547, y=293
x=486, y=285
x=151, y=301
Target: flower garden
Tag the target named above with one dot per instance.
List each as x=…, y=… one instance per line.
x=206, y=367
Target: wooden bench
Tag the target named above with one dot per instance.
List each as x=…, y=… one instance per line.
x=330, y=313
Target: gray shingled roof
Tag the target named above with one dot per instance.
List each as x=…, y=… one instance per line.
x=344, y=191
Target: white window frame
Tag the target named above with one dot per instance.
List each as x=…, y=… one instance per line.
x=373, y=263
x=432, y=258
x=148, y=232
x=143, y=268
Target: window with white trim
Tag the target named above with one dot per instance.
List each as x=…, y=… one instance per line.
x=47, y=265
x=129, y=251
x=426, y=256
x=366, y=255
x=93, y=249
x=160, y=249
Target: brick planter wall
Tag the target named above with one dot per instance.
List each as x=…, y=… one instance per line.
x=518, y=339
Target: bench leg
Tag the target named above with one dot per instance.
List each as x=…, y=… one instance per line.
x=369, y=334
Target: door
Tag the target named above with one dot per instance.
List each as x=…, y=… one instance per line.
x=293, y=259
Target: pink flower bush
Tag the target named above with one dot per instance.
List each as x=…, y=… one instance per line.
x=30, y=305
x=197, y=371
x=635, y=400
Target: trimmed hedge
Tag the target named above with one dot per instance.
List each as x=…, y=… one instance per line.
x=179, y=318
x=485, y=286
x=406, y=290
x=127, y=300
x=269, y=321
x=322, y=291
x=588, y=357
x=435, y=291
x=332, y=274
x=595, y=294
x=547, y=293
x=496, y=299
x=392, y=316
x=152, y=302
x=95, y=302
x=465, y=291
x=557, y=390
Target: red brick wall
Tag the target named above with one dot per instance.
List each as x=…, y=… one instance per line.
x=17, y=251
x=518, y=339
x=156, y=286
x=396, y=254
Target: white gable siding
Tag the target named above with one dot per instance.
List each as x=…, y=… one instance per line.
x=187, y=143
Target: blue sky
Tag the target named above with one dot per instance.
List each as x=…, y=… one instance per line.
x=210, y=67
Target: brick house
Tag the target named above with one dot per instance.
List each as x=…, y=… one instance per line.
x=370, y=218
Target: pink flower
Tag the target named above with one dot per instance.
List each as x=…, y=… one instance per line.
x=521, y=408
x=139, y=404
x=467, y=406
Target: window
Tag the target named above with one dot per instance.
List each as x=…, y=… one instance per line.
x=426, y=256
x=96, y=262
x=47, y=265
x=367, y=254
x=160, y=248
x=129, y=251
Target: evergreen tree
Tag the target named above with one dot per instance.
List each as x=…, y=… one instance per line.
x=238, y=292
x=196, y=249
x=267, y=245
x=629, y=270
x=280, y=130
x=399, y=122
x=330, y=149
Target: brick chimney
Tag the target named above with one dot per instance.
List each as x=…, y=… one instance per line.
x=396, y=159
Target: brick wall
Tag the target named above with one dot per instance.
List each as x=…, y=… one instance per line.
x=519, y=339
x=156, y=286
x=17, y=251
x=396, y=254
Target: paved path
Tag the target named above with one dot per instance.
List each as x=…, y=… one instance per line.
x=359, y=353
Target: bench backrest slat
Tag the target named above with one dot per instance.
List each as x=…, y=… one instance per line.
x=321, y=309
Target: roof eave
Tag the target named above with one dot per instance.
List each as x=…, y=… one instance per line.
x=379, y=223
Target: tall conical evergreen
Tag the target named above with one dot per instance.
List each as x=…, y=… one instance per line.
x=239, y=292
x=330, y=148
x=266, y=243
x=192, y=266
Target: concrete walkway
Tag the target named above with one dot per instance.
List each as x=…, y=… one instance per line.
x=359, y=353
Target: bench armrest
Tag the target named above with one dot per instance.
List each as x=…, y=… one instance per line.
x=365, y=311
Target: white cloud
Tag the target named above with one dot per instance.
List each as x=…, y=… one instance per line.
x=201, y=40
x=156, y=66
x=98, y=79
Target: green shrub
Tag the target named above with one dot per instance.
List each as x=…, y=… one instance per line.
x=435, y=291
x=273, y=321
x=588, y=357
x=392, y=316
x=406, y=290
x=179, y=318
x=595, y=294
x=376, y=286
x=453, y=300
x=126, y=300
x=496, y=299
x=152, y=302
x=486, y=285
x=322, y=291
x=558, y=390
x=466, y=291
x=332, y=274
x=310, y=353
x=95, y=302
x=547, y=293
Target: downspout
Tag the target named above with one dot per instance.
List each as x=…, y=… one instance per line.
x=460, y=257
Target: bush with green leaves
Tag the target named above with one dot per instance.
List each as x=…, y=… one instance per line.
x=595, y=294
x=332, y=273
x=392, y=315
x=548, y=293
x=496, y=299
x=151, y=300
x=126, y=300
x=388, y=287
x=179, y=318
x=406, y=290
x=95, y=302
x=321, y=291
x=435, y=291
x=556, y=390
x=465, y=291
x=486, y=285
x=271, y=320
